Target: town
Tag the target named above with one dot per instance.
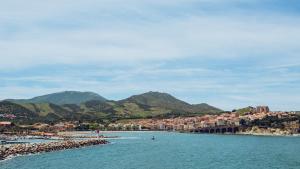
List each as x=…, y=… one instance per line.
x=258, y=120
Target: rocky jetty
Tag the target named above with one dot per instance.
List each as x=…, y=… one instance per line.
x=269, y=131
x=87, y=137
x=23, y=149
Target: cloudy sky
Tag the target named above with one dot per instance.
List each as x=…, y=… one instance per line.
x=228, y=53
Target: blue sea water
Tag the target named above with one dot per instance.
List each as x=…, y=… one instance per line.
x=136, y=150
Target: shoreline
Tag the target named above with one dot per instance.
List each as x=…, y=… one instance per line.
x=29, y=149
x=106, y=131
x=153, y=131
x=267, y=134
x=7, y=153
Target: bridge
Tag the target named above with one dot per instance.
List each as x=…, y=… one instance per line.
x=217, y=129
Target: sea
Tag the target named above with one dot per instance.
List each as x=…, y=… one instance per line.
x=171, y=150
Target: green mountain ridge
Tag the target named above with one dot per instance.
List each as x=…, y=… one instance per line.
x=147, y=105
x=156, y=99
x=60, y=98
x=167, y=101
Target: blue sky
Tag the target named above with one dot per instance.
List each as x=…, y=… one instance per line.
x=227, y=53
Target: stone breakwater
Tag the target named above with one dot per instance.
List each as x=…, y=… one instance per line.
x=87, y=137
x=23, y=149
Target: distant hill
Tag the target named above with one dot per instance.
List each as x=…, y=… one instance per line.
x=23, y=114
x=66, y=97
x=162, y=100
x=169, y=102
x=61, y=106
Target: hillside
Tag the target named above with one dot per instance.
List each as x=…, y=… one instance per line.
x=22, y=114
x=66, y=97
x=169, y=102
x=162, y=100
x=147, y=105
x=206, y=108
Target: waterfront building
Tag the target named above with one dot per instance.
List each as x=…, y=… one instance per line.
x=6, y=123
x=162, y=126
x=221, y=122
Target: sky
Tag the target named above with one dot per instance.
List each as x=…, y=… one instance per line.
x=227, y=53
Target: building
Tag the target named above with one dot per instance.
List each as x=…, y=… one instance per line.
x=262, y=109
x=161, y=126
x=5, y=123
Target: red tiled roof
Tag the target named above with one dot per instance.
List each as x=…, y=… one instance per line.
x=5, y=123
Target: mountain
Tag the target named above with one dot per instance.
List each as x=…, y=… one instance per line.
x=66, y=97
x=22, y=114
x=61, y=106
x=169, y=102
x=206, y=108
x=157, y=99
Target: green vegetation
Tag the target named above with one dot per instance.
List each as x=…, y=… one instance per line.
x=147, y=105
x=274, y=121
x=67, y=97
x=242, y=111
x=168, y=102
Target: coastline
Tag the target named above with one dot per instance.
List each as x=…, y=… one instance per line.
x=248, y=133
x=256, y=131
x=106, y=131
x=7, y=153
x=267, y=134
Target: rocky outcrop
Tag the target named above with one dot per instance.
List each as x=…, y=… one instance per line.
x=268, y=131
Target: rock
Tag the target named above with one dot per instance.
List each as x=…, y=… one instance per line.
x=22, y=149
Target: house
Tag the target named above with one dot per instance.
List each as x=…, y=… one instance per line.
x=261, y=109
x=162, y=126
x=5, y=123
x=221, y=122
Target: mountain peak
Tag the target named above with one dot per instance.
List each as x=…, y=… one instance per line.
x=151, y=95
x=169, y=102
x=64, y=97
x=74, y=105
x=155, y=94
x=158, y=99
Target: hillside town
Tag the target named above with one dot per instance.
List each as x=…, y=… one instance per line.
x=256, y=118
x=251, y=121
x=248, y=121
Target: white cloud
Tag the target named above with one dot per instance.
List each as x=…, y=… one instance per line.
x=225, y=89
x=146, y=37
x=133, y=41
